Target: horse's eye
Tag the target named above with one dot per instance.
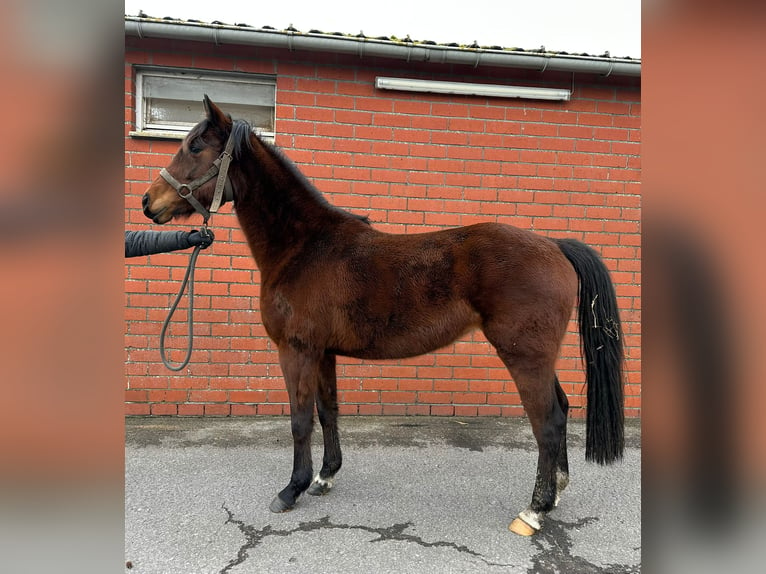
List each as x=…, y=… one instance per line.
x=195, y=147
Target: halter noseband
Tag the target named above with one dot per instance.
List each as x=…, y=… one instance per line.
x=223, y=190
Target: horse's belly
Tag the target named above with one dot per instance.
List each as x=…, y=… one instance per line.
x=415, y=334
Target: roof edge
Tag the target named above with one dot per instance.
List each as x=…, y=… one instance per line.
x=411, y=51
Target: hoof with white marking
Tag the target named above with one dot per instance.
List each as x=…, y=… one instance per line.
x=320, y=486
x=526, y=523
x=518, y=526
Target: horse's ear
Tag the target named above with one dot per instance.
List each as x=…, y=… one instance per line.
x=213, y=112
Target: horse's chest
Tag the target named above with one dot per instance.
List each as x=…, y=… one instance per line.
x=292, y=314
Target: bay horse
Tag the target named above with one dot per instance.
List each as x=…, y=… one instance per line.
x=331, y=284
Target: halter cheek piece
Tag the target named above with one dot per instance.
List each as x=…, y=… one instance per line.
x=223, y=190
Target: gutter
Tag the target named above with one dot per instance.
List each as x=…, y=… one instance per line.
x=220, y=34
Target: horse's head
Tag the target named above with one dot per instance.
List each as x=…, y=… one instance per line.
x=189, y=183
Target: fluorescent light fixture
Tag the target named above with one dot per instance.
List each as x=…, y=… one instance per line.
x=463, y=88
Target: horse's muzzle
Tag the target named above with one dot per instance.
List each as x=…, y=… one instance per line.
x=145, y=204
x=148, y=212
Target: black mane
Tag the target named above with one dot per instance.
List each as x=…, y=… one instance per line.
x=240, y=133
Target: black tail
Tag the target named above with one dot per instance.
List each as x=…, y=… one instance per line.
x=602, y=350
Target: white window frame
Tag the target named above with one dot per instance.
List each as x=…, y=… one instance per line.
x=220, y=81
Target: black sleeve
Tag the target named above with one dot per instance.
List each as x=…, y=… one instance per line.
x=138, y=243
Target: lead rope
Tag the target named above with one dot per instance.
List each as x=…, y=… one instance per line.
x=188, y=278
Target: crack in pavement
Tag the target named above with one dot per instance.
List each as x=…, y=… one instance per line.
x=253, y=537
x=554, y=555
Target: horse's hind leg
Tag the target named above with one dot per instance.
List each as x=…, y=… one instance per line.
x=537, y=389
x=327, y=409
x=301, y=374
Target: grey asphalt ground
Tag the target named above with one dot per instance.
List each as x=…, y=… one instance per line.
x=415, y=494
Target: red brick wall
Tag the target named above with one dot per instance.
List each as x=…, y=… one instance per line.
x=412, y=162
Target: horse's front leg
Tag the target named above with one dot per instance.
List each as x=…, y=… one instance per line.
x=301, y=372
x=327, y=409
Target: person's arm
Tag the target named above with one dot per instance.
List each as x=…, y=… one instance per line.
x=146, y=242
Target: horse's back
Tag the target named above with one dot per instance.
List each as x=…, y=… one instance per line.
x=485, y=258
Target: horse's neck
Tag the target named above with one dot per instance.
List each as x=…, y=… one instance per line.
x=278, y=211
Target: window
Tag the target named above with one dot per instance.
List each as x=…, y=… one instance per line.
x=169, y=100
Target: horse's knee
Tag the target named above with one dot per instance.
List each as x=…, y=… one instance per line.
x=301, y=426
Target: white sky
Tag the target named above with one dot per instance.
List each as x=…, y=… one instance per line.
x=575, y=26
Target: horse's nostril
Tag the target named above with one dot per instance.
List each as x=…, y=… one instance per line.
x=145, y=200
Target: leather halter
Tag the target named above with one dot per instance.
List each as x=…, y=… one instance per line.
x=223, y=190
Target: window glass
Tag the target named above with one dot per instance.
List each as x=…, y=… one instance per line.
x=169, y=101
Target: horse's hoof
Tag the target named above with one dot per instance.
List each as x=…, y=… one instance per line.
x=518, y=526
x=319, y=487
x=278, y=505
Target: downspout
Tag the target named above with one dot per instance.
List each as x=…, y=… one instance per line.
x=219, y=34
